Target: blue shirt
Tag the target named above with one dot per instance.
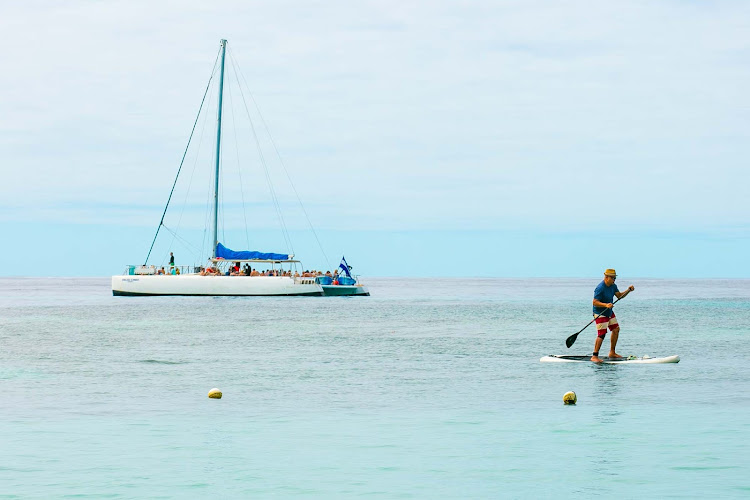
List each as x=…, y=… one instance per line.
x=606, y=294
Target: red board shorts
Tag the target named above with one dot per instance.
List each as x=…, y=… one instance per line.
x=602, y=322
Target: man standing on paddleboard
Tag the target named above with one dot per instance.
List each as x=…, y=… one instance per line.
x=603, y=295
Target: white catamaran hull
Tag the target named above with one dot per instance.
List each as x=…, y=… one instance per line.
x=607, y=361
x=195, y=284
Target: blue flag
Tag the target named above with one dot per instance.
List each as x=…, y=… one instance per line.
x=345, y=267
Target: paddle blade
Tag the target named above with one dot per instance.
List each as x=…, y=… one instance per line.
x=571, y=340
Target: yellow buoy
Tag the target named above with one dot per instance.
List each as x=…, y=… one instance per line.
x=214, y=393
x=569, y=398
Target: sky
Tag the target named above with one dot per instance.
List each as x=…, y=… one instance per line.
x=485, y=138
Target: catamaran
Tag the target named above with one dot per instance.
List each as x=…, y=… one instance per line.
x=229, y=272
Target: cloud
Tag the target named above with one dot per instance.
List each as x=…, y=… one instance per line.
x=390, y=115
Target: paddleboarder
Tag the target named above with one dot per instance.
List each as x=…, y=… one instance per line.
x=603, y=295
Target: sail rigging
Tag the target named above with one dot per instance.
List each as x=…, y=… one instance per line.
x=219, y=276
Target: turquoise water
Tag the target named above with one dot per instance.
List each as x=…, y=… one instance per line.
x=430, y=388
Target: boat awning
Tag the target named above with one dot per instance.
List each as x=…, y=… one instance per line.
x=224, y=253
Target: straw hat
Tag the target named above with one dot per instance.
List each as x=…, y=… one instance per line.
x=610, y=272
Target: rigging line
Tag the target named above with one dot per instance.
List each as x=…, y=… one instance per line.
x=208, y=212
x=264, y=163
x=220, y=205
x=183, y=159
x=222, y=212
x=239, y=169
x=195, y=163
x=283, y=166
x=274, y=198
x=183, y=240
x=207, y=220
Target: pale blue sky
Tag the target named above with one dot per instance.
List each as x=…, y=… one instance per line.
x=494, y=138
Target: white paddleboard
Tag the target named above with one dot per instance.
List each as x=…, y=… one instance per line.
x=554, y=358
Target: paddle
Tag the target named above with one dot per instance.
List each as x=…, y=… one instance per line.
x=571, y=340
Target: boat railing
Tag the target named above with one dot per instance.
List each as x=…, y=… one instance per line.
x=152, y=270
x=338, y=280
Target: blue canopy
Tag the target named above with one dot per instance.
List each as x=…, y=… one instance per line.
x=227, y=254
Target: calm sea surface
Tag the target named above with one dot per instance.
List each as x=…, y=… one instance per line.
x=430, y=388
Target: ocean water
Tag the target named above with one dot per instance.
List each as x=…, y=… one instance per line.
x=430, y=388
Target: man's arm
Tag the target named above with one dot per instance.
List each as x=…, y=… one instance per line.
x=620, y=295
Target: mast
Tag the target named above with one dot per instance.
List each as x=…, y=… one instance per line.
x=218, y=151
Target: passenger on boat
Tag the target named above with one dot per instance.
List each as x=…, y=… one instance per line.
x=328, y=273
x=210, y=271
x=235, y=269
x=161, y=271
x=247, y=270
x=254, y=272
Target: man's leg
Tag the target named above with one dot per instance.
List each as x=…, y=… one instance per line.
x=597, y=345
x=613, y=340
